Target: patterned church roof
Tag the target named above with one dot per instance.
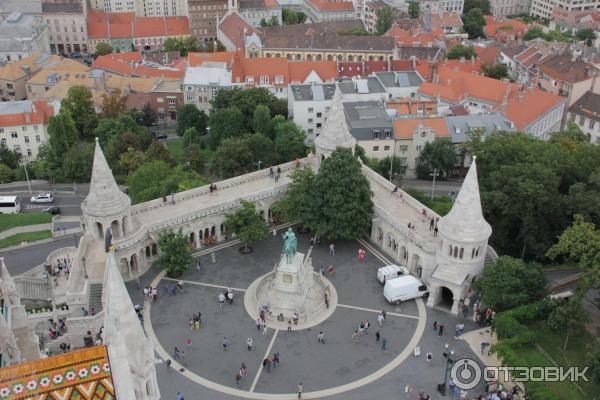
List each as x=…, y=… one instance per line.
x=80, y=374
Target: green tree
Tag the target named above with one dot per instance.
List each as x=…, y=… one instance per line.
x=262, y=149
x=510, y=282
x=6, y=174
x=148, y=116
x=291, y=17
x=289, y=141
x=483, y=5
x=496, y=71
x=225, y=123
x=131, y=160
x=385, y=17
x=295, y=205
x=102, y=49
x=189, y=116
x=459, y=51
x=191, y=136
x=383, y=166
x=182, y=45
x=11, y=158
x=77, y=164
x=263, y=23
x=194, y=157
x=474, y=23
x=62, y=136
x=342, y=207
x=413, y=9
x=593, y=360
x=113, y=104
x=534, y=33
x=175, y=253
x=79, y=104
x=587, y=35
x=568, y=318
x=247, y=225
x=262, y=122
x=232, y=158
x=273, y=21
x=247, y=100
x=580, y=243
x=158, y=151
x=439, y=155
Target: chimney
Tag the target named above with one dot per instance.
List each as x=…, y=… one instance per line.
x=27, y=117
x=414, y=63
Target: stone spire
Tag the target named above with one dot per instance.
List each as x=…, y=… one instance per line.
x=105, y=197
x=131, y=353
x=335, y=133
x=465, y=221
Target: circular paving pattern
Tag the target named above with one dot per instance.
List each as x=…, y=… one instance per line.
x=338, y=366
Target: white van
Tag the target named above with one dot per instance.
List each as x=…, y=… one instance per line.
x=404, y=288
x=390, y=272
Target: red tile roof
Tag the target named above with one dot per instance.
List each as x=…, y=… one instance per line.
x=404, y=128
x=233, y=26
x=498, y=27
x=197, y=59
x=41, y=112
x=257, y=67
x=533, y=105
x=408, y=37
x=327, y=5
x=469, y=65
x=127, y=64
x=299, y=70
x=103, y=25
x=488, y=55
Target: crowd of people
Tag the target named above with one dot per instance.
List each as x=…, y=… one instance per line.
x=60, y=268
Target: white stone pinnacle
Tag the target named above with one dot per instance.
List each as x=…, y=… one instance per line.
x=335, y=133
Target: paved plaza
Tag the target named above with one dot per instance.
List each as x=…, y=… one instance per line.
x=338, y=369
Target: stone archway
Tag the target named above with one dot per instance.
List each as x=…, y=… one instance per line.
x=415, y=261
x=125, y=225
x=446, y=298
x=124, y=264
x=100, y=230
x=114, y=228
x=192, y=240
x=148, y=254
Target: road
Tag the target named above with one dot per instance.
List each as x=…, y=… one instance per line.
x=67, y=196
x=442, y=188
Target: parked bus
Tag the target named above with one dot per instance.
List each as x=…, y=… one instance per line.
x=10, y=205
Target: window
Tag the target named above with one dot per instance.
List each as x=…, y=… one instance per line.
x=418, y=147
x=264, y=79
x=3, y=142
x=375, y=148
x=14, y=135
x=35, y=128
x=189, y=88
x=17, y=148
x=319, y=115
x=388, y=133
x=29, y=153
x=310, y=120
x=161, y=100
x=423, y=133
x=1, y=130
x=26, y=139
x=24, y=128
x=278, y=79
x=310, y=131
x=310, y=109
x=250, y=80
x=462, y=252
x=318, y=124
x=38, y=139
x=386, y=148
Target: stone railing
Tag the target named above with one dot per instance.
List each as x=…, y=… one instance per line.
x=63, y=252
x=79, y=326
x=374, y=177
x=221, y=185
x=25, y=229
x=77, y=282
x=407, y=233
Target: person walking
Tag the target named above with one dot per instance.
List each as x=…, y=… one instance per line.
x=258, y=324
x=198, y=266
x=221, y=300
x=383, y=343
x=380, y=320
x=377, y=336
x=238, y=378
x=176, y=353
x=289, y=329
x=435, y=326
x=249, y=343
x=429, y=357
x=441, y=329
x=213, y=257
x=275, y=360
x=230, y=296
x=300, y=389
x=225, y=343
x=321, y=337
x=180, y=396
x=332, y=249
x=264, y=332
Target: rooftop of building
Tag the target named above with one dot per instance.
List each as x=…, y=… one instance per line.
x=494, y=26
x=361, y=85
x=400, y=79
x=27, y=66
x=19, y=25
x=364, y=116
x=527, y=106
x=210, y=73
x=332, y=5
x=488, y=55
x=565, y=68
x=289, y=71
x=588, y=106
x=62, y=8
x=195, y=59
x=133, y=64
x=102, y=25
x=313, y=92
x=258, y=4
x=408, y=106
x=59, y=69
x=447, y=19
x=234, y=26
x=405, y=128
x=83, y=373
x=459, y=126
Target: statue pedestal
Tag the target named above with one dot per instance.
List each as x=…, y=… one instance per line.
x=291, y=288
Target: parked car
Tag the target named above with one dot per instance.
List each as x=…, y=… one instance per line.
x=52, y=210
x=161, y=136
x=390, y=272
x=43, y=198
x=404, y=288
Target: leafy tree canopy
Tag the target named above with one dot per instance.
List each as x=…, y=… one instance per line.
x=291, y=17
x=102, y=49
x=474, y=23
x=496, y=71
x=189, y=116
x=181, y=44
x=289, y=141
x=247, y=225
x=439, y=155
x=113, y=104
x=385, y=18
x=240, y=155
x=587, y=35
x=175, y=253
x=483, y=5
x=79, y=104
x=413, y=9
x=225, y=123
x=459, y=51
x=510, y=283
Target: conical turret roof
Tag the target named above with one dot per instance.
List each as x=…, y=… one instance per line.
x=105, y=198
x=335, y=133
x=465, y=221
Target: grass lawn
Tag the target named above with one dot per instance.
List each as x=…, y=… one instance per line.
x=176, y=149
x=575, y=355
x=440, y=204
x=29, y=237
x=8, y=221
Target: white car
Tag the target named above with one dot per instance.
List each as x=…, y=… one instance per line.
x=390, y=272
x=43, y=198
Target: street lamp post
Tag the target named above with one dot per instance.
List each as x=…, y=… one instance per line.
x=434, y=174
x=392, y=164
x=449, y=356
x=84, y=269
x=259, y=162
x=27, y=177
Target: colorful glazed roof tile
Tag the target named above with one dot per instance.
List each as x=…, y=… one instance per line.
x=77, y=375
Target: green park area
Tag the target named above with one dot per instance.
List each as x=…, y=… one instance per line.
x=24, y=237
x=8, y=221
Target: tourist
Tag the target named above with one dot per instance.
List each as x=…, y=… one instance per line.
x=429, y=357
x=238, y=378
x=225, y=343
x=296, y=318
x=230, y=296
x=435, y=231
x=275, y=360
x=435, y=326
x=300, y=389
x=271, y=173
x=361, y=255
x=263, y=317
x=249, y=343
x=168, y=364
x=431, y=223
x=176, y=353
x=180, y=396
x=258, y=324
x=367, y=326
x=221, y=300
x=243, y=369
x=211, y=189
x=198, y=266
x=188, y=343
x=384, y=314
x=354, y=337
x=154, y=294
x=264, y=332
x=146, y=293
x=326, y=301
x=377, y=336
x=321, y=337
x=289, y=329
x=395, y=189
x=441, y=329
x=332, y=249
x=213, y=257
x=383, y=343
x=380, y=319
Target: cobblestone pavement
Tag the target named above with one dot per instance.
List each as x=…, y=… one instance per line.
x=317, y=366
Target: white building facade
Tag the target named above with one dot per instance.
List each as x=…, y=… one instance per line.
x=67, y=29
x=143, y=8
x=545, y=8
x=201, y=84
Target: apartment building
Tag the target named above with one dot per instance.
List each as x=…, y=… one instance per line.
x=13, y=76
x=505, y=8
x=545, y=8
x=204, y=16
x=67, y=29
x=201, y=84
x=585, y=113
x=142, y=8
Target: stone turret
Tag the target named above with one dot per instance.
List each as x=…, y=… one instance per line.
x=130, y=351
x=105, y=206
x=463, y=235
x=335, y=133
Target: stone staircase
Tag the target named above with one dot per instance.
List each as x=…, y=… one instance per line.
x=95, y=301
x=34, y=289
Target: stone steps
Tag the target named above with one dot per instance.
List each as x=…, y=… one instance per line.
x=95, y=299
x=34, y=289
